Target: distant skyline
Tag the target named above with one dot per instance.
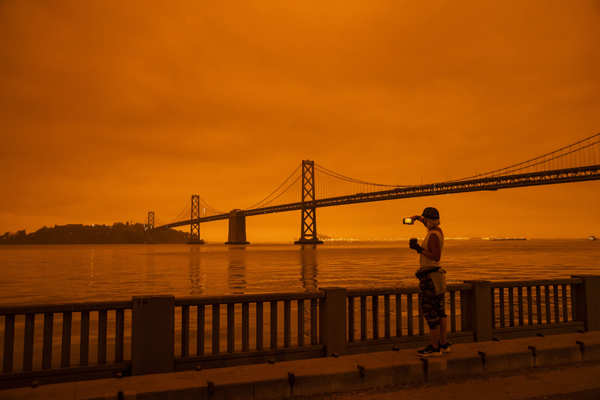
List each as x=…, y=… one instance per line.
x=110, y=109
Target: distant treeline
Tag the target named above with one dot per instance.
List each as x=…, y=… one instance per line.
x=89, y=234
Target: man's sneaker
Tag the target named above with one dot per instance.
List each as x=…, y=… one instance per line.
x=429, y=351
x=446, y=347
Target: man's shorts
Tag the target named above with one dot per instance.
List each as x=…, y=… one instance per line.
x=432, y=305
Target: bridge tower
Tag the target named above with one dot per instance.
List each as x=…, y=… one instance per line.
x=194, y=223
x=150, y=224
x=308, y=217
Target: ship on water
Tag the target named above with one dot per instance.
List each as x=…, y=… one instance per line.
x=592, y=237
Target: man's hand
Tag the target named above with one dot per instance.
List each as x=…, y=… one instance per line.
x=413, y=244
x=418, y=218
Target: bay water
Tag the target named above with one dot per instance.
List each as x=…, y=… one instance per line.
x=74, y=273
x=69, y=273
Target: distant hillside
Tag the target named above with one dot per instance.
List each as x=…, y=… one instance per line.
x=90, y=234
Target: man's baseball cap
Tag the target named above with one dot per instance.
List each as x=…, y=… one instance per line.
x=431, y=213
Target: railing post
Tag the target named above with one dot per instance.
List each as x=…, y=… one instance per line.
x=587, y=301
x=476, y=306
x=332, y=320
x=152, y=334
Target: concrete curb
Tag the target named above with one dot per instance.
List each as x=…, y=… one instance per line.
x=367, y=371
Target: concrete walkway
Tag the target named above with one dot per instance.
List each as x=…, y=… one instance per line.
x=381, y=371
x=565, y=383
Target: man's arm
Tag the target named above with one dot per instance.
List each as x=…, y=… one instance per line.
x=418, y=218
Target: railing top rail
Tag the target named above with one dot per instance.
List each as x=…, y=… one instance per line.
x=381, y=291
x=536, y=282
x=9, y=309
x=64, y=307
x=246, y=298
x=400, y=290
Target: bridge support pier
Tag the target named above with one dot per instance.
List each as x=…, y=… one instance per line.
x=237, y=228
x=308, y=217
x=195, y=224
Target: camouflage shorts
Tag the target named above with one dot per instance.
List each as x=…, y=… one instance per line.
x=432, y=305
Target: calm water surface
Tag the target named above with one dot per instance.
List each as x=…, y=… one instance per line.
x=65, y=273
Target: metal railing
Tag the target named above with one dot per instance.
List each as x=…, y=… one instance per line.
x=60, y=340
x=400, y=317
x=50, y=343
x=535, y=304
x=238, y=328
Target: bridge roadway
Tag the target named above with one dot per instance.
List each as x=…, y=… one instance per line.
x=549, y=177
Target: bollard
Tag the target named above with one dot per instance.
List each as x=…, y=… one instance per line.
x=587, y=301
x=152, y=335
x=476, y=305
x=332, y=320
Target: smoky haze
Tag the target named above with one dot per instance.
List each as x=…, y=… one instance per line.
x=110, y=109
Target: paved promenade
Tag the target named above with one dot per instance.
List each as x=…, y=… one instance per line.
x=514, y=369
x=578, y=382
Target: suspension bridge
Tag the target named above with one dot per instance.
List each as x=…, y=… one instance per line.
x=319, y=187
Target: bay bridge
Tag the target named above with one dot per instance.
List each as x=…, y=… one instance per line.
x=317, y=185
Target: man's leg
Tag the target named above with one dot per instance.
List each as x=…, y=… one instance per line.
x=434, y=334
x=429, y=310
x=432, y=316
x=443, y=329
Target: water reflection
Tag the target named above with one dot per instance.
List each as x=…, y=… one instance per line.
x=309, y=263
x=92, y=273
x=197, y=275
x=236, y=273
x=151, y=280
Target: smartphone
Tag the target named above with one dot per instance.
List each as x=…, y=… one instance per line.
x=408, y=221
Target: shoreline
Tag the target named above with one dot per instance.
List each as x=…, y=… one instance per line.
x=291, y=242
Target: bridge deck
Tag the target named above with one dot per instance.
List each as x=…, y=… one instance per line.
x=550, y=177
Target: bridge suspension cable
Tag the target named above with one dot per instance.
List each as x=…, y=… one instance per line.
x=348, y=179
x=553, y=160
x=282, y=188
x=561, y=153
x=183, y=213
x=208, y=209
x=287, y=188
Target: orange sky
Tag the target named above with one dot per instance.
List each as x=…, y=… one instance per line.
x=112, y=108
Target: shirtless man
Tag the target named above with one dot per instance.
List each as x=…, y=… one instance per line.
x=432, y=282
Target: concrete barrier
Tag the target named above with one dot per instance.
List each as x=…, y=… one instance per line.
x=557, y=351
x=356, y=372
x=459, y=366
x=589, y=345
